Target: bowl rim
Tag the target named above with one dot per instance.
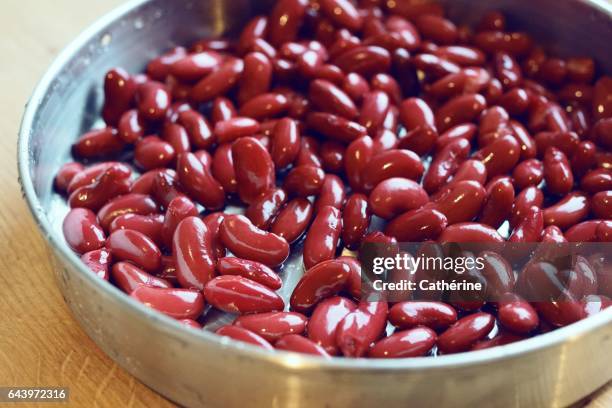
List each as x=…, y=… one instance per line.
x=277, y=357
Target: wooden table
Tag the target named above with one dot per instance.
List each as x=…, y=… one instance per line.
x=40, y=343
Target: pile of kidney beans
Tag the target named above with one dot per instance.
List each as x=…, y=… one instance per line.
x=318, y=117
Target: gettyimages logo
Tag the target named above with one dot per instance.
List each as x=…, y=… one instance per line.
x=479, y=272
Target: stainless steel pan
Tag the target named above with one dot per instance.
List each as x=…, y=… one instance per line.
x=200, y=369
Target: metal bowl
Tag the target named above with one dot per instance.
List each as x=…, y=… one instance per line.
x=201, y=369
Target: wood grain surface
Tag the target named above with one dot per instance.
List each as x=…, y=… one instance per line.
x=40, y=343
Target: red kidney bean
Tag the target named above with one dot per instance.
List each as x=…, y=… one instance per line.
x=304, y=180
x=178, y=209
x=420, y=140
x=388, y=84
x=437, y=29
x=98, y=262
x=433, y=66
x=364, y=60
x=245, y=240
x=329, y=98
x=222, y=109
x=113, y=181
x=193, y=250
x=391, y=163
x=198, y=182
x=396, y=195
x=159, y=68
x=583, y=158
x=553, y=234
x=254, y=168
x=460, y=202
x=409, y=343
x=223, y=168
x=255, y=271
x=299, y=344
x=357, y=156
x=177, y=136
x=516, y=43
x=557, y=172
x=129, y=277
x=236, y=294
x=342, y=13
x=285, y=21
x=322, y=238
x=285, y=142
x=569, y=211
x=255, y=28
x=293, y=219
x=508, y=70
x=374, y=109
x=198, y=129
x=528, y=173
x=585, y=231
x=256, y=78
x=165, y=188
x=265, y=106
x=149, y=225
x=227, y=131
x=272, y=326
x=445, y=163
x=335, y=127
x=134, y=246
x=243, y=335
x=152, y=152
x=470, y=170
x=524, y=200
x=153, y=100
x=195, y=66
x=119, y=90
x=82, y=231
x=130, y=127
x=325, y=319
x=497, y=273
x=355, y=86
x=176, y=303
x=417, y=225
x=515, y=101
x=332, y=156
x=355, y=220
x=602, y=133
x=467, y=331
x=459, y=110
x=321, y=281
x=498, y=202
x=66, y=174
x=461, y=55
x=332, y=193
x=529, y=229
x=469, y=232
x=592, y=182
x=500, y=156
x=435, y=315
x=562, y=312
x=262, y=211
x=361, y=327
x=218, y=82
x=98, y=143
x=601, y=204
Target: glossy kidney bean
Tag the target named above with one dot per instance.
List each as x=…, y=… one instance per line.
x=119, y=90
x=198, y=129
x=335, y=127
x=222, y=109
x=332, y=193
x=245, y=240
x=285, y=21
x=515, y=101
x=227, y=131
x=82, y=231
x=262, y=211
x=153, y=101
x=395, y=196
x=562, y=312
x=569, y=211
x=529, y=229
x=355, y=220
x=500, y=156
x=165, y=187
x=355, y=86
x=285, y=143
x=223, y=168
x=465, y=332
x=403, y=344
x=256, y=78
x=508, y=70
x=149, y=225
x=528, y=173
x=388, y=84
x=433, y=66
x=254, y=168
x=178, y=209
x=243, y=335
x=129, y=277
x=469, y=232
x=342, y=13
x=322, y=239
x=524, y=200
x=594, y=181
x=391, y=163
x=304, y=180
x=218, y=82
x=194, y=66
x=420, y=140
x=321, y=281
x=459, y=110
x=176, y=303
x=410, y=314
x=462, y=55
x=460, y=202
x=552, y=234
x=364, y=60
x=567, y=142
x=361, y=327
x=583, y=158
x=329, y=98
x=332, y=156
x=498, y=203
x=445, y=163
x=470, y=170
x=112, y=182
x=98, y=143
x=134, y=246
x=152, y=152
x=300, y=344
x=265, y=106
x=255, y=271
x=272, y=326
x=130, y=127
x=557, y=172
x=66, y=174
x=601, y=204
x=255, y=28
x=159, y=68
x=193, y=251
x=374, y=109
x=198, y=182
x=602, y=98
x=357, y=156
x=237, y=294
x=417, y=225
x=415, y=112
x=437, y=29
x=325, y=319
x=293, y=219
x=177, y=136
x=98, y=262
